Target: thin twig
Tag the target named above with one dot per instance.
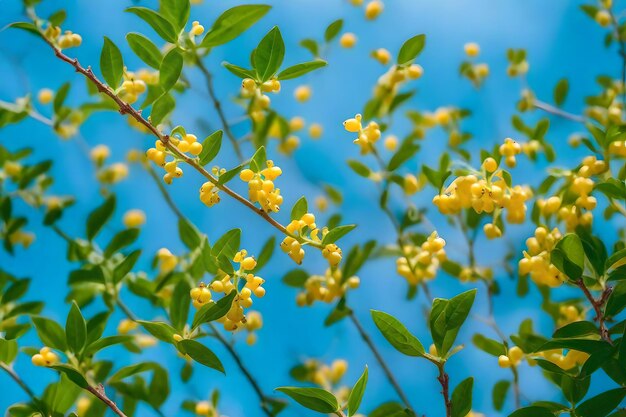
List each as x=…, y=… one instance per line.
x=390, y=377
x=19, y=382
x=548, y=108
x=101, y=395
x=444, y=380
x=597, y=305
x=253, y=382
x=218, y=107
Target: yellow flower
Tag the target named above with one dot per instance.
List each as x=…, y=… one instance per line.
x=373, y=9
x=347, y=40
x=472, y=49
x=134, y=218
x=45, y=96
x=302, y=93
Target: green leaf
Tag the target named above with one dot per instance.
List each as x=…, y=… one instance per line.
x=232, y=23
x=170, y=69
x=532, y=411
x=257, y=162
x=499, y=392
x=315, y=399
x=157, y=22
x=143, y=47
x=161, y=108
x=356, y=394
x=200, y=354
x=240, y=72
x=75, y=329
x=188, y=233
x=211, y=147
x=176, y=11
x=72, y=373
x=406, y=152
x=111, y=63
x=462, y=398
x=299, y=209
x=411, y=49
x=359, y=167
x=269, y=54
x=120, y=241
x=337, y=233
x=492, y=347
x=617, y=300
x=396, y=334
x=179, y=306
x=8, y=351
x=295, y=278
x=213, y=311
x=159, y=329
x=333, y=30
x=569, y=256
x=98, y=217
x=28, y=27
x=50, y=333
x=299, y=70
x=602, y=404
x=560, y=91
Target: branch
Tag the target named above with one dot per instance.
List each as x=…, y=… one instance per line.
x=125, y=108
x=19, y=382
x=253, y=382
x=218, y=107
x=101, y=395
x=390, y=377
x=597, y=305
x=444, y=380
x=548, y=108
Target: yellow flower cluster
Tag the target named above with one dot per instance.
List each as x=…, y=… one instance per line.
x=509, y=149
x=536, y=261
x=570, y=314
x=235, y=317
x=261, y=188
x=135, y=84
x=512, y=359
x=381, y=55
x=259, y=102
x=475, y=72
x=487, y=195
x=254, y=321
x=566, y=361
x=307, y=231
x=188, y=143
x=367, y=136
x=107, y=174
x=45, y=357
x=64, y=41
x=389, y=84
x=326, y=288
x=421, y=263
x=209, y=194
x=448, y=118
x=166, y=261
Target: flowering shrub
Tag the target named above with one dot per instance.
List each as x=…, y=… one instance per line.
x=210, y=291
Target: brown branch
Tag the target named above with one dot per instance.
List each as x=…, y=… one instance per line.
x=597, y=305
x=444, y=380
x=218, y=107
x=125, y=108
x=99, y=393
x=253, y=382
x=19, y=381
x=390, y=377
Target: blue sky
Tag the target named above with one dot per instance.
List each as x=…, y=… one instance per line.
x=561, y=42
